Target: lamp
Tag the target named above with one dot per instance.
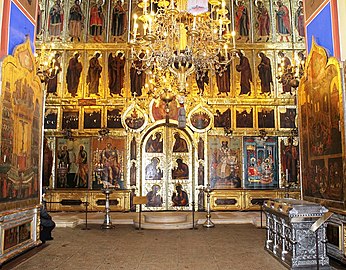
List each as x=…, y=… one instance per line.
x=182, y=39
x=228, y=131
x=263, y=134
x=103, y=132
x=67, y=134
x=47, y=65
x=290, y=73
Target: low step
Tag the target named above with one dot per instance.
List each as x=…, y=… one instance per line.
x=165, y=218
x=165, y=226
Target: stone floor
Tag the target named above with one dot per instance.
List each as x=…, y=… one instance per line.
x=227, y=246
x=223, y=247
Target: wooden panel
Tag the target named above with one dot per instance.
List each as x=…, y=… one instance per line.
x=254, y=199
x=226, y=200
x=74, y=200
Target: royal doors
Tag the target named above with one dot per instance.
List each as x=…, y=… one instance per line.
x=167, y=169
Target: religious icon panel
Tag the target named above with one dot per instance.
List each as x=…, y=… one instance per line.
x=73, y=163
x=108, y=162
x=166, y=170
x=225, y=162
x=261, y=162
x=50, y=118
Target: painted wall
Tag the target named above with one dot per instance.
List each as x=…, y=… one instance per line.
x=322, y=25
x=20, y=26
x=18, y=20
x=5, y=9
x=342, y=21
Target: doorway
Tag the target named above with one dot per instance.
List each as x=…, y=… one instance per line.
x=167, y=169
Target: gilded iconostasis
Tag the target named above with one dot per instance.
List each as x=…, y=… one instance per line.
x=235, y=126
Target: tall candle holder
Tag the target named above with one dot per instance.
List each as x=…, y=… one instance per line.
x=107, y=223
x=208, y=223
x=286, y=185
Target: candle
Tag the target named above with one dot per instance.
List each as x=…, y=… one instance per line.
x=233, y=33
x=135, y=26
x=145, y=7
x=150, y=22
x=194, y=23
x=183, y=37
x=287, y=178
x=145, y=27
x=220, y=30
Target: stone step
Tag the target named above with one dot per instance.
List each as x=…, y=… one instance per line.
x=165, y=218
x=165, y=226
x=165, y=221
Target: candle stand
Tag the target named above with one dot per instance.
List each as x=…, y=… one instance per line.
x=107, y=223
x=208, y=223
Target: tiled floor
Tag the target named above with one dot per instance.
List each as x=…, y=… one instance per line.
x=223, y=247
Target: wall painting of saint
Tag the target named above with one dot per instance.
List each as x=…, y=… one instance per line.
x=261, y=162
x=108, y=162
x=73, y=163
x=225, y=170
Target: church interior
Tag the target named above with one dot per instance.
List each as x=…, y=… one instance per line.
x=162, y=109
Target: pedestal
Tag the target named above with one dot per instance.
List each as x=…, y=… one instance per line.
x=208, y=223
x=107, y=223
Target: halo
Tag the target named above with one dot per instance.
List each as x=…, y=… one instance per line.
x=156, y=185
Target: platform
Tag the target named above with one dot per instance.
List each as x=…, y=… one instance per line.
x=159, y=220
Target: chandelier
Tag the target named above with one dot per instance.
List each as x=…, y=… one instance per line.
x=47, y=63
x=289, y=73
x=182, y=37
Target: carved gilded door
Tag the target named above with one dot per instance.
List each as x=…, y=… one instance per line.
x=167, y=169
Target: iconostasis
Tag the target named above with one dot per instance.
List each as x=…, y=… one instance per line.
x=239, y=124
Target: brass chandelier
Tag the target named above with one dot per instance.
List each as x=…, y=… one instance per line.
x=182, y=37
